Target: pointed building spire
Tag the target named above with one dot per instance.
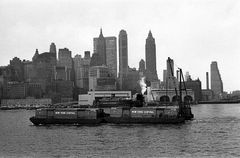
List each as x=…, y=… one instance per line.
x=35, y=55
x=101, y=49
x=150, y=57
x=150, y=33
x=101, y=34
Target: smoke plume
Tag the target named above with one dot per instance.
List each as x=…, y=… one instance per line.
x=142, y=85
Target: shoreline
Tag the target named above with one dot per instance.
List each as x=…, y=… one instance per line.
x=220, y=102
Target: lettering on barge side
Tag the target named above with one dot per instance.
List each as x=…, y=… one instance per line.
x=65, y=113
x=142, y=112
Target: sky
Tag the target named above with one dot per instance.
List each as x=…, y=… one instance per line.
x=192, y=32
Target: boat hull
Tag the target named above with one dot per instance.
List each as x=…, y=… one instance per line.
x=130, y=120
x=187, y=113
x=79, y=121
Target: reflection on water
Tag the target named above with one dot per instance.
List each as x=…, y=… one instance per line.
x=214, y=132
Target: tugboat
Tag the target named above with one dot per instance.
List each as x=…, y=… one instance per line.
x=141, y=112
x=144, y=114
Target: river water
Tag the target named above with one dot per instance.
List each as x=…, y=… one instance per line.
x=215, y=132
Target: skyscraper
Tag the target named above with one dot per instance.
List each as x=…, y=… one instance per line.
x=105, y=53
x=123, y=56
x=216, y=81
x=123, y=52
x=141, y=66
x=111, y=54
x=81, y=67
x=207, y=81
x=101, y=48
x=65, y=60
x=150, y=52
x=18, y=68
x=53, y=48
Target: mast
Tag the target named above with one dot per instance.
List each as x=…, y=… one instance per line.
x=184, y=85
x=180, y=91
x=169, y=61
x=180, y=85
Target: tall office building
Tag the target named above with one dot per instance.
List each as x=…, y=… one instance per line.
x=111, y=54
x=18, y=68
x=207, y=81
x=196, y=87
x=216, y=81
x=99, y=46
x=53, y=48
x=105, y=53
x=81, y=68
x=141, y=66
x=123, y=56
x=150, y=52
x=65, y=60
x=123, y=52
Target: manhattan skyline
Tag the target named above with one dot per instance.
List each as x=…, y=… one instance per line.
x=193, y=33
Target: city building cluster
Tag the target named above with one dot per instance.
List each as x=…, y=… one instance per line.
x=61, y=77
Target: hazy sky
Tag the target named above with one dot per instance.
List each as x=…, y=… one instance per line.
x=192, y=32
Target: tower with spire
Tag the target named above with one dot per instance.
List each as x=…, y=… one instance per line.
x=141, y=66
x=35, y=55
x=101, y=48
x=150, y=54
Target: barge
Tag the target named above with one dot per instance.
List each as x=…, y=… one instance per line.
x=133, y=112
x=121, y=111
x=143, y=115
x=68, y=116
x=118, y=115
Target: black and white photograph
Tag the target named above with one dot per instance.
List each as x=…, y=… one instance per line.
x=119, y=78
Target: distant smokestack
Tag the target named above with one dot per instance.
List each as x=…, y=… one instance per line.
x=207, y=80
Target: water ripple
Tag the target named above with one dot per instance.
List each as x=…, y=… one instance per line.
x=213, y=133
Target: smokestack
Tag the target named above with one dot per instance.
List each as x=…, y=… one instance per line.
x=207, y=80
